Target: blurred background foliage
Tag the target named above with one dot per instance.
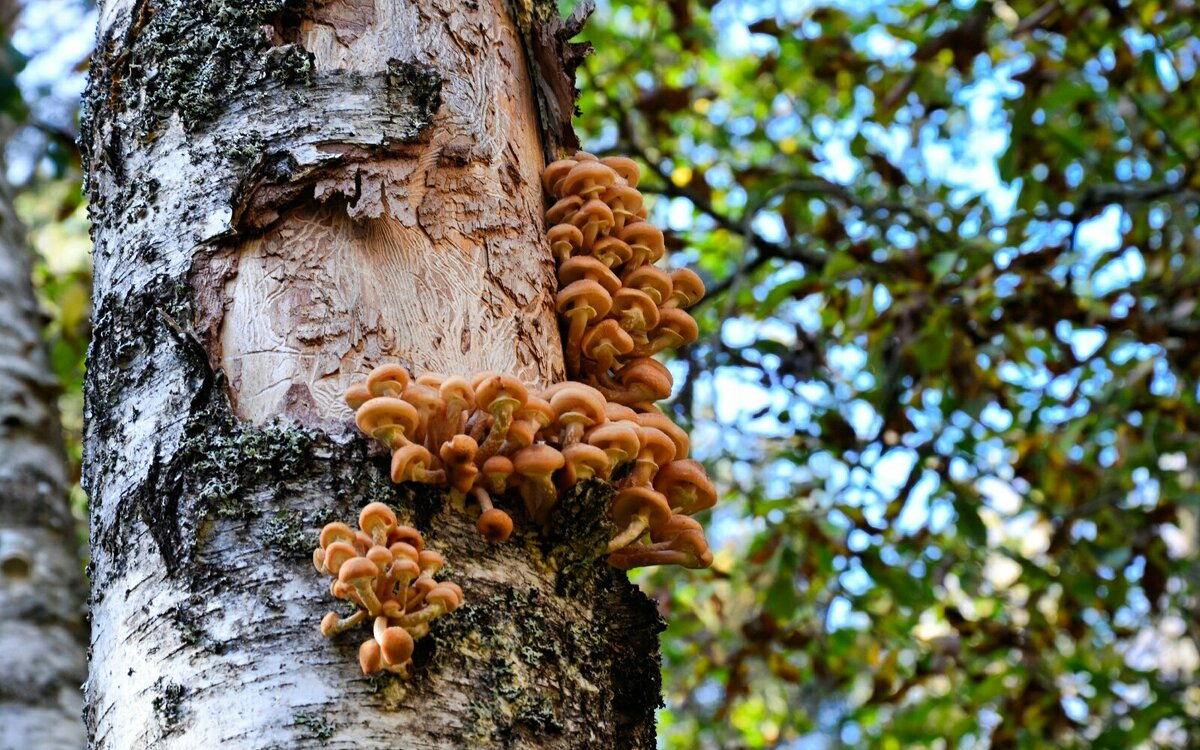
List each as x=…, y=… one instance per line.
x=949, y=364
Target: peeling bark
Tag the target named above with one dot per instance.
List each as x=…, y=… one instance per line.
x=359, y=184
x=42, y=635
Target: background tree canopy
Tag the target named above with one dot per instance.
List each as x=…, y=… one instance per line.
x=949, y=364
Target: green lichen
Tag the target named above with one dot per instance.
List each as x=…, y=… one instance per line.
x=293, y=533
x=192, y=56
x=318, y=727
x=578, y=533
x=235, y=458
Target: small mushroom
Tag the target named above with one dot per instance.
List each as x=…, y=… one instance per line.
x=588, y=179
x=563, y=212
x=378, y=520
x=587, y=267
x=646, y=241
x=497, y=470
x=581, y=303
x=332, y=625
x=604, y=343
x=640, y=381
x=458, y=458
x=493, y=524
x=686, y=289
x=396, y=647
x=634, y=511
x=412, y=464
x=576, y=407
x=388, y=420
x=359, y=575
x=459, y=398
x=536, y=465
x=535, y=416
x=553, y=175
x=686, y=487
x=611, y=251
x=593, y=218
x=636, y=312
x=618, y=439
x=651, y=280
x=428, y=403
x=675, y=327
x=565, y=241
x=624, y=201
x=581, y=462
x=626, y=168
x=500, y=396
x=387, y=380
x=656, y=450
x=660, y=421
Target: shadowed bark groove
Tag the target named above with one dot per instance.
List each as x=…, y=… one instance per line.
x=360, y=186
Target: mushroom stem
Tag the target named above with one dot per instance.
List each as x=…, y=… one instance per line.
x=496, y=435
x=332, y=625
x=644, y=555
x=630, y=534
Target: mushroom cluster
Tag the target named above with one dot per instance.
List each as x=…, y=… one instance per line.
x=618, y=308
x=384, y=570
x=494, y=434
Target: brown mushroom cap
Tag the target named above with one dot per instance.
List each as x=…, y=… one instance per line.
x=336, y=532
x=458, y=456
x=635, y=310
x=640, y=501
x=386, y=411
x=405, y=551
x=686, y=486
x=578, y=404
x=449, y=598
x=387, y=380
x=494, y=525
x=408, y=461
x=338, y=554
x=678, y=435
x=582, y=461
x=678, y=524
x=565, y=240
x=624, y=201
x=396, y=646
x=626, y=168
x=357, y=395
x=619, y=412
x=652, y=280
x=535, y=416
x=537, y=460
x=500, y=392
x=592, y=218
x=606, y=341
x=611, y=251
x=431, y=562
x=433, y=380
x=587, y=179
x=408, y=535
x=456, y=390
x=647, y=377
x=356, y=569
x=498, y=469
x=646, y=240
x=563, y=212
x=657, y=446
x=376, y=517
x=587, y=267
x=370, y=656
x=553, y=175
x=584, y=297
x=686, y=288
x=618, y=439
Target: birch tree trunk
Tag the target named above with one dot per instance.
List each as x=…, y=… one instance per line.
x=42, y=634
x=286, y=193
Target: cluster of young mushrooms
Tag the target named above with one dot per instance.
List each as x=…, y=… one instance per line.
x=493, y=434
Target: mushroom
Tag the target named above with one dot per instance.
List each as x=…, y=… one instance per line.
x=624, y=201
x=588, y=179
x=581, y=462
x=458, y=457
x=378, y=520
x=603, y=343
x=536, y=465
x=387, y=419
x=428, y=403
x=675, y=327
x=626, y=168
x=395, y=646
x=652, y=280
x=640, y=381
x=412, y=464
x=581, y=302
x=619, y=440
x=686, y=487
x=565, y=241
x=576, y=408
x=497, y=470
x=636, y=312
x=646, y=240
x=553, y=175
x=359, y=576
x=611, y=251
x=387, y=380
x=689, y=550
x=686, y=288
x=332, y=625
x=370, y=656
x=587, y=267
x=634, y=510
x=459, y=398
x=660, y=421
x=535, y=416
x=493, y=524
x=500, y=396
x=563, y=212
x=593, y=219
x=656, y=450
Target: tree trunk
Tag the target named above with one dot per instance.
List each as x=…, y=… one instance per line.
x=42, y=635
x=285, y=194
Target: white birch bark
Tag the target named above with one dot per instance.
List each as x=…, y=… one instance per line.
x=284, y=194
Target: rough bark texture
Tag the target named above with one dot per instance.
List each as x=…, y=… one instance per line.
x=42, y=634
x=284, y=194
